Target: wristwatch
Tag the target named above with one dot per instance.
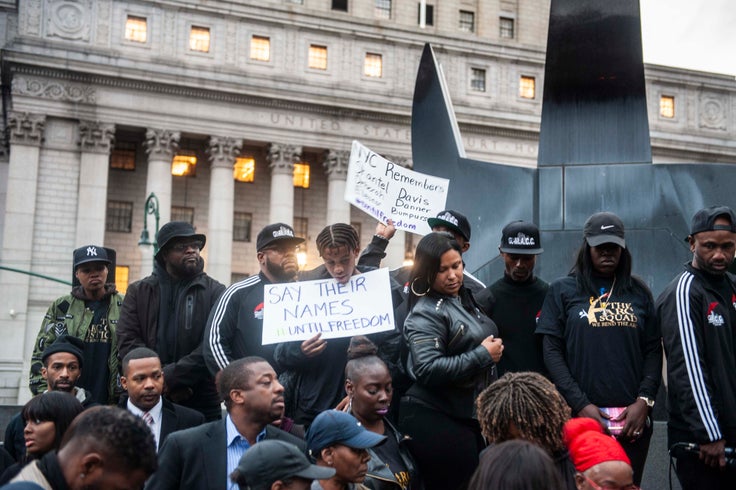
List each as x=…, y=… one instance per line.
x=648, y=401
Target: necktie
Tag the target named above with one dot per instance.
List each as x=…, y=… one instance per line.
x=147, y=418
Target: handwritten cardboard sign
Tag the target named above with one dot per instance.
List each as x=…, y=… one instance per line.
x=386, y=190
x=300, y=310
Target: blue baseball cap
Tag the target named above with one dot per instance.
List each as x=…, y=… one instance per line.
x=335, y=427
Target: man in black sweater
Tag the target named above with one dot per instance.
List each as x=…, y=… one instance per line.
x=514, y=301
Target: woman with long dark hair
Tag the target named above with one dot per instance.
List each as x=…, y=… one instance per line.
x=601, y=341
x=452, y=355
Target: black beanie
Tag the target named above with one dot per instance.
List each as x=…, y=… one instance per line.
x=65, y=343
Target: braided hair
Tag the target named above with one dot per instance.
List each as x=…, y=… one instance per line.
x=336, y=236
x=528, y=401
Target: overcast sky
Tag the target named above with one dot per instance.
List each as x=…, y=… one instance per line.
x=694, y=34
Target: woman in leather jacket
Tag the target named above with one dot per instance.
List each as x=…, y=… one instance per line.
x=452, y=354
x=370, y=391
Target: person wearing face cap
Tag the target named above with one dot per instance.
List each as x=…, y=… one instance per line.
x=601, y=342
x=698, y=321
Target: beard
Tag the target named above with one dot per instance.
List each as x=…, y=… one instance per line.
x=278, y=272
x=187, y=269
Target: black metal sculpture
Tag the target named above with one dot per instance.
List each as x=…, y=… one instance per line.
x=594, y=153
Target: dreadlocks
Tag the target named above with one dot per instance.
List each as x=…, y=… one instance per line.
x=528, y=401
x=336, y=236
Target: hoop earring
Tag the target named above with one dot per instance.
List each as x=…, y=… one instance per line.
x=415, y=293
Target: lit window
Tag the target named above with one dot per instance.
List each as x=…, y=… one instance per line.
x=506, y=28
x=122, y=273
x=119, y=216
x=136, y=29
x=383, y=9
x=318, y=57
x=373, y=66
x=244, y=169
x=667, y=106
x=341, y=5
x=467, y=21
x=260, y=48
x=182, y=213
x=241, y=226
x=301, y=175
x=199, y=39
x=527, y=87
x=122, y=156
x=478, y=79
x=184, y=165
x=429, y=15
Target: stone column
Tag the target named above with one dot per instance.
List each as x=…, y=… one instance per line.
x=281, y=159
x=161, y=145
x=25, y=133
x=336, y=168
x=222, y=153
x=95, y=140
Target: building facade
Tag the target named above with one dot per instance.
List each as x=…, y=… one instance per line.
x=239, y=113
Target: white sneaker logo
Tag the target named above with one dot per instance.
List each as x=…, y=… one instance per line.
x=607, y=227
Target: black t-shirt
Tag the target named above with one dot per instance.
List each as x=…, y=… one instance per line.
x=604, y=337
x=97, y=348
x=389, y=453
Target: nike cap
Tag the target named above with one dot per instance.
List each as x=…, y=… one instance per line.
x=604, y=228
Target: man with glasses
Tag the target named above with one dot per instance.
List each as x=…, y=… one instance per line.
x=235, y=327
x=167, y=312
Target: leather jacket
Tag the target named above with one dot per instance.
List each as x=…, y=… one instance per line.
x=380, y=476
x=446, y=360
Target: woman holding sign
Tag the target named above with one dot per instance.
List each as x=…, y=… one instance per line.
x=452, y=355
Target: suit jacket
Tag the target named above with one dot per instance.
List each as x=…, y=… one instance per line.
x=173, y=417
x=197, y=457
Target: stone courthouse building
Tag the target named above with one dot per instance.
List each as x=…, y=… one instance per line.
x=238, y=113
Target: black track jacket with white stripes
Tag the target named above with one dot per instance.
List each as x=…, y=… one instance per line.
x=699, y=331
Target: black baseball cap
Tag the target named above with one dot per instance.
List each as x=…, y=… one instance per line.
x=65, y=343
x=452, y=220
x=177, y=229
x=273, y=460
x=603, y=228
x=90, y=253
x=521, y=237
x=704, y=220
x=276, y=232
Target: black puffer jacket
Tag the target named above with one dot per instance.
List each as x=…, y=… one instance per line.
x=446, y=360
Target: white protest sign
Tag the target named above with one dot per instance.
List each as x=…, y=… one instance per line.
x=386, y=190
x=300, y=310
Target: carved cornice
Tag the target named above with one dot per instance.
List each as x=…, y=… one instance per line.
x=281, y=158
x=25, y=128
x=336, y=164
x=161, y=143
x=398, y=160
x=96, y=136
x=222, y=152
x=54, y=90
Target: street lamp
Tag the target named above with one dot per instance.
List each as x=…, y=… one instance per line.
x=151, y=207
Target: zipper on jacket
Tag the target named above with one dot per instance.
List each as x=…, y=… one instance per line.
x=458, y=334
x=190, y=312
x=435, y=339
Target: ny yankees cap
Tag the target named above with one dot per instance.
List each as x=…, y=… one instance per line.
x=452, y=220
x=705, y=219
x=604, y=228
x=521, y=237
x=90, y=253
x=276, y=232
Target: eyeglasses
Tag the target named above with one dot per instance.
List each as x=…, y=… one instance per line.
x=184, y=246
x=606, y=487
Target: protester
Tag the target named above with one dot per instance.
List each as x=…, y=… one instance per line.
x=452, y=351
x=167, y=312
x=515, y=465
x=527, y=406
x=602, y=345
x=90, y=313
x=696, y=315
x=337, y=440
x=600, y=461
x=277, y=465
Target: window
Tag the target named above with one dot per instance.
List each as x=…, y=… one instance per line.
x=136, y=29
x=429, y=15
x=341, y=5
x=122, y=273
x=199, y=39
x=301, y=175
x=478, y=79
x=667, y=106
x=184, y=164
x=182, y=213
x=383, y=9
x=242, y=223
x=260, y=48
x=373, y=65
x=119, y=216
x=467, y=21
x=318, y=57
x=506, y=28
x=122, y=156
x=527, y=87
x=244, y=169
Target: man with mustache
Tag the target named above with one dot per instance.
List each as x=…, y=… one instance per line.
x=167, y=312
x=203, y=457
x=235, y=325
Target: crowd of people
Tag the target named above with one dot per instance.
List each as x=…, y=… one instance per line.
x=518, y=385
